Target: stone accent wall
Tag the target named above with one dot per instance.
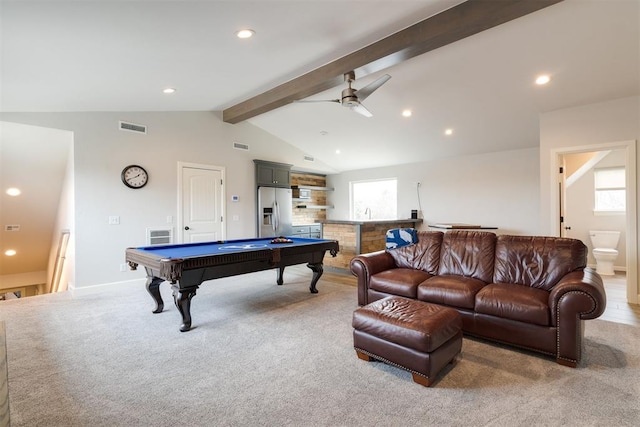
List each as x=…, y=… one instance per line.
x=372, y=238
x=309, y=216
x=345, y=234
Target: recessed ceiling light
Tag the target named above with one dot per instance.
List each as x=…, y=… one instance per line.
x=13, y=191
x=169, y=90
x=448, y=132
x=407, y=113
x=543, y=79
x=324, y=133
x=245, y=34
x=337, y=151
x=10, y=252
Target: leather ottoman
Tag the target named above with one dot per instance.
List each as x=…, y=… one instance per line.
x=413, y=335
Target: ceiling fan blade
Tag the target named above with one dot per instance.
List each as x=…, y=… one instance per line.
x=317, y=100
x=363, y=93
x=361, y=109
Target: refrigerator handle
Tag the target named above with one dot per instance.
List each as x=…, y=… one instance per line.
x=276, y=216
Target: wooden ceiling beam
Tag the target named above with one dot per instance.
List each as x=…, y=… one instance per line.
x=451, y=25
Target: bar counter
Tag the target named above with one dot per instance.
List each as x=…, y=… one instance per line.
x=359, y=237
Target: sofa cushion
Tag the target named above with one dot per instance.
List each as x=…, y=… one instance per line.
x=539, y=262
x=469, y=254
x=424, y=255
x=398, y=281
x=454, y=291
x=515, y=302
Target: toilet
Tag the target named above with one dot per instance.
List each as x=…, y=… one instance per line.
x=604, y=245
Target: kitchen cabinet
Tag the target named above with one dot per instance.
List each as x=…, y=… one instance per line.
x=313, y=231
x=273, y=174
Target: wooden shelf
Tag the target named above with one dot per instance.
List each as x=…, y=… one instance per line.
x=314, y=207
x=311, y=187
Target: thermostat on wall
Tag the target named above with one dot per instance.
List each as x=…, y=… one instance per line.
x=235, y=198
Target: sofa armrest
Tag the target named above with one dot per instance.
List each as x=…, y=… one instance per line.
x=366, y=265
x=578, y=296
x=579, y=293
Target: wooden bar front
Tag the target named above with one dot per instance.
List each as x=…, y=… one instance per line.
x=359, y=237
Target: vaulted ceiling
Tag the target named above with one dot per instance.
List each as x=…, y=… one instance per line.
x=119, y=55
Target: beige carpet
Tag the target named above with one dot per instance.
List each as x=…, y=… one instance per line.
x=4, y=382
x=262, y=354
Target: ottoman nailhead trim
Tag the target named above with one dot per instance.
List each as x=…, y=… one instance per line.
x=375, y=356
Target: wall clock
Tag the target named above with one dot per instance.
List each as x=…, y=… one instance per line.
x=134, y=176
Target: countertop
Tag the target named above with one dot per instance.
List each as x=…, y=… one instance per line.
x=369, y=221
x=459, y=226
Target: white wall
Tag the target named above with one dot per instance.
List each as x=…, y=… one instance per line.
x=606, y=122
x=34, y=159
x=495, y=189
x=101, y=150
x=65, y=220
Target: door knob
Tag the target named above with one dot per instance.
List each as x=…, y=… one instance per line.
x=567, y=228
x=186, y=227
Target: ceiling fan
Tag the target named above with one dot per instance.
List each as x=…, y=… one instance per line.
x=352, y=98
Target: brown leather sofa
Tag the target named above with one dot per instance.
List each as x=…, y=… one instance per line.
x=532, y=292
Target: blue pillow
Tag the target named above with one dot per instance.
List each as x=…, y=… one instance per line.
x=399, y=237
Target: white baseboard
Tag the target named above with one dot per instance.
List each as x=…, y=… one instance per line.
x=615, y=268
x=106, y=287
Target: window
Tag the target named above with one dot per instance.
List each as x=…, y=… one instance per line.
x=374, y=199
x=610, y=190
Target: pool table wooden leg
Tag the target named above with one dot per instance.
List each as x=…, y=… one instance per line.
x=182, y=299
x=317, y=272
x=280, y=280
x=153, y=287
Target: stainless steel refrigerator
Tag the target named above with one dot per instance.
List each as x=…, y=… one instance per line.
x=274, y=211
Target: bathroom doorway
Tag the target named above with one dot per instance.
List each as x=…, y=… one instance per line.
x=575, y=202
x=581, y=211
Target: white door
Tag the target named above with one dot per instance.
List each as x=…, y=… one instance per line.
x=202, y=204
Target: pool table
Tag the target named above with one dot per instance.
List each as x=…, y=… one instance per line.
x=186, y=266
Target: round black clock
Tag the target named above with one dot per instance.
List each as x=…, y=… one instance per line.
x=134, y=176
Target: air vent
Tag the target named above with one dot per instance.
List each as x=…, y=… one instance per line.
x=11, y=228
x=239, y=146
x=159, y=236
x=309, y=158
x=132, y=127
